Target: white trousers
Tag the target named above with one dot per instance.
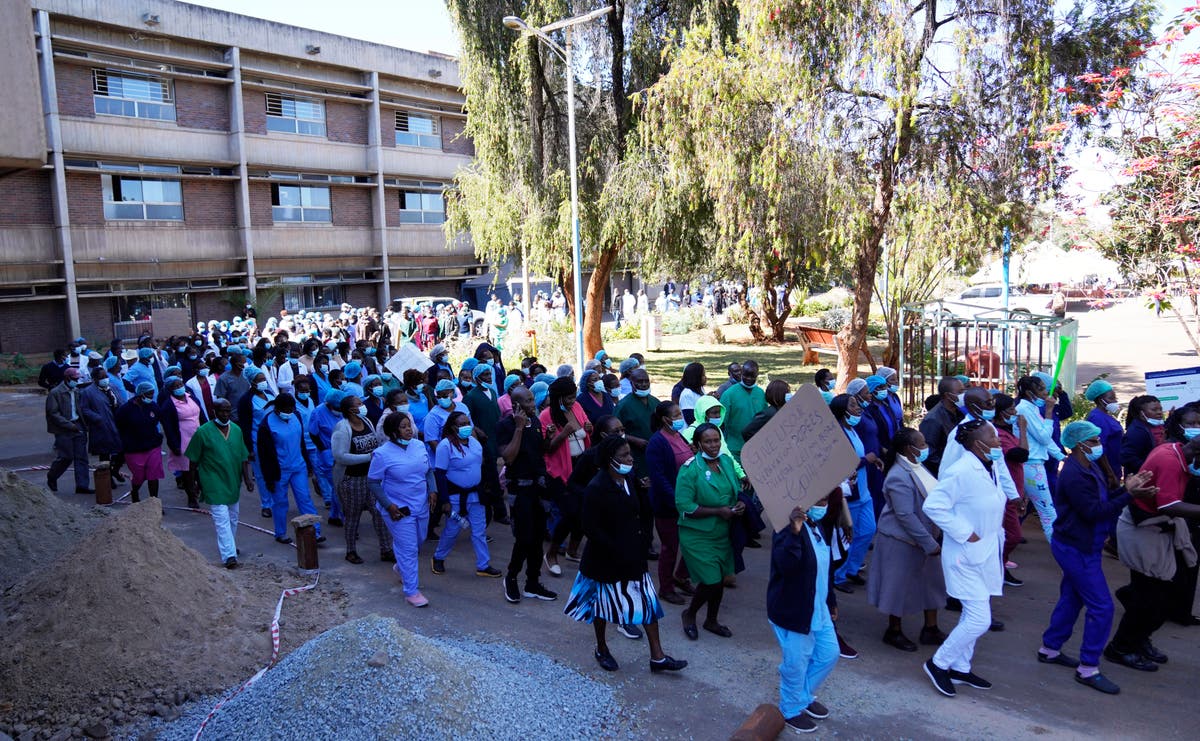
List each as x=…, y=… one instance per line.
x=225, y=520
x=958, y=648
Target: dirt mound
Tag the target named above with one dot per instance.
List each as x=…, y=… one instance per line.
x=130, y=614
x=36, y=526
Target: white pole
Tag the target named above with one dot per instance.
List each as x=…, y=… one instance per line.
x=576, y=259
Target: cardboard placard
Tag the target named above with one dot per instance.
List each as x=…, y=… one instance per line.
x=407, y=357
x=798, y=457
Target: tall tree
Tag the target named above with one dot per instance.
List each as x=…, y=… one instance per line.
x=514, y=198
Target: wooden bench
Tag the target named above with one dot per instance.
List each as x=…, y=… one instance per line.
x=821, y=340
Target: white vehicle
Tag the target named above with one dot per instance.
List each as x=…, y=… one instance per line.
x=984, y=298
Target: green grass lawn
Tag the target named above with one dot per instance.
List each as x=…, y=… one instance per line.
x=775, y=361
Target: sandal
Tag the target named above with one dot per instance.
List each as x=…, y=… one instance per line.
x=689, y=627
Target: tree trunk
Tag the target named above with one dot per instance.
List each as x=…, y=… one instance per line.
x=756, y=332
x=778, y=320
x=597, y=289
x=1183, y=323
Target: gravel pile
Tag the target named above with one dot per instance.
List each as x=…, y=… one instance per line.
x=370, y=678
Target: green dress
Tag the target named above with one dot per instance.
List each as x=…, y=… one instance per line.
x=704, y=541
x=218, y=462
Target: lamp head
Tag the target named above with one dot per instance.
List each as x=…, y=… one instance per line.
x=515, y=23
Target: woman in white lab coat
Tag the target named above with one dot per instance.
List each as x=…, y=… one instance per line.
x=968, y=505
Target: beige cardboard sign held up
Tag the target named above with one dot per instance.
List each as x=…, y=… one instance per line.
x=798, y=457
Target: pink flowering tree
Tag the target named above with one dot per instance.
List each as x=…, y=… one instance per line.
x=1153, y=116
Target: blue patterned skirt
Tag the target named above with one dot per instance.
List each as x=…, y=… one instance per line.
x=623, y=602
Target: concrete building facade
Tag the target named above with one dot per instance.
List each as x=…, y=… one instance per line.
x=197, y=157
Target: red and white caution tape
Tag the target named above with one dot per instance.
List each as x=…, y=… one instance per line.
x=274, y=654
x=31, y=468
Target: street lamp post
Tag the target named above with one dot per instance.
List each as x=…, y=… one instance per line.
x=542, y=34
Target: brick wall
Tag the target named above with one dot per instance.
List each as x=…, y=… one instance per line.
x=210, y=204
x=391, y=208
x=33, y=326
x=85, y=199
x=387, y=127
x=351, y=206
x=452, y=142
x=260, y=204
x=74, y=90
x=346, y=122
x=95, y=321
x=361, y=294
x=201, y=105
x=254, y=110
x=206, y=306
x=27, y=199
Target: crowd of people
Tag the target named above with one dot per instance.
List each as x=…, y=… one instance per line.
x=587, y=465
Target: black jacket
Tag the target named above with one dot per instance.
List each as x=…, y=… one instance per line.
x=793, y=585
x=618, y=530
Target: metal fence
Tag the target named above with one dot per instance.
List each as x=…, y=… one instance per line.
x=991, y=347
x=132, y=330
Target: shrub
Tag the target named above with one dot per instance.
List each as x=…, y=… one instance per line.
x=627, y=331
x=736, y=314
x=684, y=321
x=835, y=318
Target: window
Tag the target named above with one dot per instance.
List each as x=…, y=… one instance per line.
x=417, y=130
x=141, y=308
x=422, y=203
x=141, y=199
x=300, y=203
x=292, y=114
x=307, y=296
x=119, y=93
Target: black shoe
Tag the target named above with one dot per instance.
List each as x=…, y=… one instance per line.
x=437, y=566
x=491, y=572
x=265, y=512
x=997, y=626
x=753, y=544
x=431, y=537
x=501, y=520
x=1099, y=682
x=953, y=604
x=1187, y=621
x=896, y=639
x=666, y=664
x=800, y=724
x=856, y=579
x=689, y=627
x=970, y=679
x=321, y=539
x=845, y=650
x=1131, y=660
x=940, y=678
x=284, y=540
x=1012, y=581
x=537, y=591
x=512, y=593
x=84, y=490
x=51, y=485
x=193, y=504
x=387, y=556
x=1152, y=653
x=843, y=587
x=231, y=563
x=606, y=661
x=334, y=521
x=931, y=636
x=353, y=557
x=816, y=710
x=718, y=629
x=1062, y=660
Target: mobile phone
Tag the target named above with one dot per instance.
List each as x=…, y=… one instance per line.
x=405, y=511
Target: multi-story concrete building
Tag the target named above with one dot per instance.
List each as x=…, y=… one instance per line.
x=195, y=157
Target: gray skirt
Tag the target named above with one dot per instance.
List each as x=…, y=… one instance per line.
x=903, y=580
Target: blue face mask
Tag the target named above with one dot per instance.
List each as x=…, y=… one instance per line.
x=894, y=389
x=1193, y=470
x=678, y=424
x=995, y=454
x=816, y=513
x=987, y=415
x=622, y=468
x=445, y=403
x=563, y=407
x=465, y=432
x=179, y=393
x=922, y=455
x=708, y=457
x=749, y=384
x=302, y=396
x=787, y=397
x=643, y=393
x=402, y=442
x=285, y=416
x=598, y=387
x=377, y=391
x=1040, y=403
x=1154, y=422
x=1094, y=452
x=1190, y=433
x=388, y=376
x=853, y=419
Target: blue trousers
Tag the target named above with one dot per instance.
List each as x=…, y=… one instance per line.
x=264, y=494
x=807, y=660
x=1083, y=585
x=323, y=473
x=70, y=450
x=407, y=535
x=297, y=481
x=477, y=516
x=863, y=514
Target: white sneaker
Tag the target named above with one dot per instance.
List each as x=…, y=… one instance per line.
x=553, y=568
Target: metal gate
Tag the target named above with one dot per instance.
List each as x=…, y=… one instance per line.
x=991, y=347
